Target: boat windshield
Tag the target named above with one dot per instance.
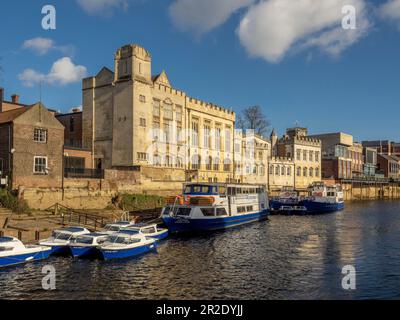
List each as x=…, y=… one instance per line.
x=123, y=240
x=61, y=236
x=113, y=228
x=3, y=249
x=84, y=240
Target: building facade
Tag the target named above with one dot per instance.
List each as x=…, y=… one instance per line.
x=282, y=173
x=389, y=166
x=31, y=147
x=134, y=119
x=306, y=154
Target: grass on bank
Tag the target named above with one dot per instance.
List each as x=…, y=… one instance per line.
x=136, y=202
x=10, y=201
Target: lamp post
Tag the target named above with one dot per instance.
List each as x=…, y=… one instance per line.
x=10, y=168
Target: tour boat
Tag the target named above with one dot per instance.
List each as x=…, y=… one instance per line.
x=148, y=230
x=13, y=252
x=215, y=206
x=61, y=239
x=86, y=245
x=126, y=245
x=324, y=199
x=287, y=197
x=116, y=227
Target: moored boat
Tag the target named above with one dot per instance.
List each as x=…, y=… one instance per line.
x=126, y=245
x=87, y=245
x=116, y=227
x=62, y=238
x=324, y=199
x=287, y=197
x=215, y=206
x=14, y=252
x=148, y=230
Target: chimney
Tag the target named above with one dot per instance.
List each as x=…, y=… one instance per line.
x=15, y=98
x=1, y=99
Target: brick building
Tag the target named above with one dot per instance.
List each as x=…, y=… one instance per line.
x=389, y=165
x=31, y=145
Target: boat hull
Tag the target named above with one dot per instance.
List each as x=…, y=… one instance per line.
x=183, y=225
x=161, y=236
x=314, y=207
x=83, y=252
x=24, y=258
x=126, y=253
x=277, y=204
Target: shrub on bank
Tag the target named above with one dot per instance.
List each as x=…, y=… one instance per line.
x=134, y=202
x=10, y=201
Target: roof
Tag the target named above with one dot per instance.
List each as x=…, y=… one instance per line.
x=389, y=157
x=9, y=116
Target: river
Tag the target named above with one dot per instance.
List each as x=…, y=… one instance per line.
x=283, y=258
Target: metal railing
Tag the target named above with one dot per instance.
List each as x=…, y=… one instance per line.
x=84, y=173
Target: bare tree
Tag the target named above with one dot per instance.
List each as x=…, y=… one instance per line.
x=253, y=118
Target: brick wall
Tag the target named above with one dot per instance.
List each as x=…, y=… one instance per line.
x=4, y=148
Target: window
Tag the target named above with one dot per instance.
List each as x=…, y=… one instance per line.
x=271, y=170
x=298, y=171
x=156, y=108
x=179, y=136
x=221, y=212
x=298, y=154
x=208, y=212
x=195, y=162
x=40, y=135
x=262, y=170
x=317, y=172
x=218, y=138
x=74, y=163
x=209, y=164
x=40, y=165
x=142, y=156
x=195, y=133
x=317, y=156
x=311, y=172
x=179, y=162
x=142, y=122
x=157, y=160
x=283, y=171
x=156, y=128
x=71, y=124
x=304, y=172
x=228, y=139
x=167, y=127
x=289, y=171
x=142, y=98
x=216, y=164
x=277, y=170
x=304, y=155
x=207, y=137
x=311, y=156
x=227, y=165
x=168, y=112
x=179, y=114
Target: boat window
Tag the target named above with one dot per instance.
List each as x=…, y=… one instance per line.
x=196, y=189
x=221, y=212
x=85, y=240
x=249, y=208
x=184, y=211
x=113, y=228
x=62, y=236
x=3, y=249
x=222, y=190
x=208, y=212
x=241, y=209
x=231, y=191
x=149, y=230
x=6, y=239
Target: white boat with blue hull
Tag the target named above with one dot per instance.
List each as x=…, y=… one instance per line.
x=324, y=199
x=87, y=245
x=61, y=239
x=215, y=206
x=287, y=197
x=126, y=245
x=148, y=230
x=14, y=252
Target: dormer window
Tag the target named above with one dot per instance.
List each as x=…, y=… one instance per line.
x=40, y=135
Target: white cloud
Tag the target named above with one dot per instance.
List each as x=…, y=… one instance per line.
x=391, y=10
x=272, y=28
x=201, y=16
x=102, y=6
x=63, y=72
x=42, y=46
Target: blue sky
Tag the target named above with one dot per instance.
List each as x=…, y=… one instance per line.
x=234, y=53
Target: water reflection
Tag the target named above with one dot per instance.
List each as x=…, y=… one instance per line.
x=283, y=258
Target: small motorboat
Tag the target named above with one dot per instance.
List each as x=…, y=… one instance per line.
x=13, y=252
x=86, y=245
x=61, y=239
x=292, y=210
x=148, y=230
x=125, y=245
x=116, y=227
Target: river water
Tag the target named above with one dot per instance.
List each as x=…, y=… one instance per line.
x=282, y=258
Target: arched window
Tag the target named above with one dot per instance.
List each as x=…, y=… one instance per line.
x=216, y=164
x=311, y=172
x=283, y=171
x=195, y=162
x=179, y=162
x=271, y=170
x=209, y=163
x=277, y=170
x=298, y=171
x=305, y=172
x=289, y=171
x=317, y=172
x=227, y=165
